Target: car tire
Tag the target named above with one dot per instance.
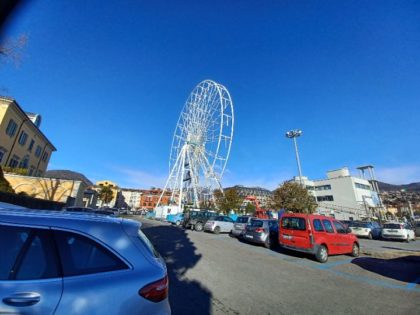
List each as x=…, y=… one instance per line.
x=408, y=239
x=267, y=243
x=217, y=230
x=355, y=252
x=177, y=223
x=198, y=227
x=322, y=254
x=370, y=236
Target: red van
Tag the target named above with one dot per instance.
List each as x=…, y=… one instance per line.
x=316, y=234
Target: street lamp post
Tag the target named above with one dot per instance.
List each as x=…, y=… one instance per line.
x=293, y=134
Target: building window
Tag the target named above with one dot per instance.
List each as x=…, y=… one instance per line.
x=22, y=138
x=25, y=162
x=45, y=156
x=14, y=161
x=362, y=186
x=323, y=187
x=11, y=128
x=38, y=151
x=2, y=153
x=325, y=198
x=31, y=145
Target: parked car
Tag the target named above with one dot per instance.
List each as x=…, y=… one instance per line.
x=65, y=262
x=196, y=219
x=398, y=231
x=240, y=225
x=317, y=235
x=176, y=219
x=262, y=231
x=417, y=228
x=366, y=229
x=219, y=224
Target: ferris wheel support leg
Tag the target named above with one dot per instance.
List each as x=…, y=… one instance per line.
x=167, y=182
x=193, y=177
x=181, y=179
x=176, y=179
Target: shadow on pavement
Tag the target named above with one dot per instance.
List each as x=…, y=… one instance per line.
x=404, y=269
x=185, y=296
x=403, y=249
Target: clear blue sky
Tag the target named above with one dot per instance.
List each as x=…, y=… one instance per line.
x=110, y=81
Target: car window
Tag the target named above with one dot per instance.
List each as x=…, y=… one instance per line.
x=39, y=260
x=12, y=240
x=318, y=225
x=392, y=226
x=339, y=227
x=256, y=223
x=293, y=223
x=328, y=226
x=228, y=219
x=242, y=220
x=81, y=255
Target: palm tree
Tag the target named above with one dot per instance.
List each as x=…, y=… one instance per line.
x=106, y=194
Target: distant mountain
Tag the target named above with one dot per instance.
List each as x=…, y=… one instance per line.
x=69, y=175
x=391, y=187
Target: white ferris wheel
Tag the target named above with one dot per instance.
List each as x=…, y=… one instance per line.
x=200, y=146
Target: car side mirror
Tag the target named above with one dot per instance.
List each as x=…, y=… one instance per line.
x=348, y=230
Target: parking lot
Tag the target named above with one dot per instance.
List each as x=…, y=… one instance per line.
x=217, y=274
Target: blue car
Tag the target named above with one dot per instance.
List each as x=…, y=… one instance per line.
x=78, y=263
x=175, y=218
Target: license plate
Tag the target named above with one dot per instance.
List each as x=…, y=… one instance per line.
x=248, y=236
x=287, y=237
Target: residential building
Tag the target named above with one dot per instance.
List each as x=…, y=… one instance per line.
x=344, y=196
x=264, y=196
x=149, y=198
x=131, y=198
x=23, y=145
x=116, y=195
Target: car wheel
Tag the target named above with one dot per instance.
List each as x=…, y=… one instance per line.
x=370, y=236
x=408, y=239
x=355, y=251
x=322, y=254
x=177, y=223
x=267, y=243
x=198, y=227
x=217, y=230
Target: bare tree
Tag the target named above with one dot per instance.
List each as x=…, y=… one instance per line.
x=11, y=50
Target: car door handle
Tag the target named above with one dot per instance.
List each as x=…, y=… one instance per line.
x=22, y=299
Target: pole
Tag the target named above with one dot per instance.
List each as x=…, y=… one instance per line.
x=298, y=161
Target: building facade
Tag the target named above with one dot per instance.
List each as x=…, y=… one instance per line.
x=131, y=198
x=22, y=145
x=67, y=191
x=149, y=198
x=344, y=196
x=264, y=196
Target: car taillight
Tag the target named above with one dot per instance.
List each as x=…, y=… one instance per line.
x=156, y=291
x=259, y=230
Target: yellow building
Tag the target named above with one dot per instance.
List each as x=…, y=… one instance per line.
x=22, y=144
x=115, y=193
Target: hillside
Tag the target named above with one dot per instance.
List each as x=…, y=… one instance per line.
x=391, y=187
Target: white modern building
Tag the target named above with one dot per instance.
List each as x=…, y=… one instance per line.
x=131, y=198
x=344, y=196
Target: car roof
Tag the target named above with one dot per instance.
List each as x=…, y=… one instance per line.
x=304, y=215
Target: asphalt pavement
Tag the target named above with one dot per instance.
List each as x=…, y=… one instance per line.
x=217, y=274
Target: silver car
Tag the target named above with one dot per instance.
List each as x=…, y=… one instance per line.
x=240, y=225
x=219, y=224
x=262, y=231
x=78, y=263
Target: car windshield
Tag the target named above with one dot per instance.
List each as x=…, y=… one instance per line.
x=359, y=224
x=392, y=226
x=242, y=220
x=256, y=223
x=219, y=218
